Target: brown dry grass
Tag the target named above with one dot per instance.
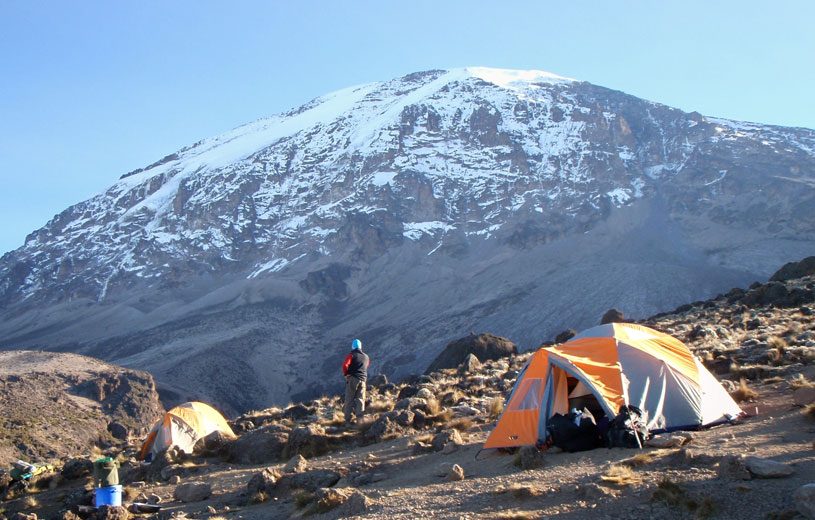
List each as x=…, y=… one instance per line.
x=640, y=459
x=433, y=406
x=620, y=476
x=800, y=381
x=743, y=392
x=461, y=424
x=30, y=502
x=379, y=406
x=258, y=498
x=495, y=408
x=809, y=411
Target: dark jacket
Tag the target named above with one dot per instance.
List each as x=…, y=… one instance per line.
x=356, y=364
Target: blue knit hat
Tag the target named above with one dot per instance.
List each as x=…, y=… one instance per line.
x=356, y=344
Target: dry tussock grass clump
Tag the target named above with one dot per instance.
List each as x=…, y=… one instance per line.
x=743, y=392
x=302, y=498
x=380, y=406
x=800, y=381
x=672, y=494
x=461, y=424
x=440, y=418
x=452, y=397
x=620, y=476
x=494, y=408
x=433, y=406
x=809, y=411
x=639, y=460
x=30, y=503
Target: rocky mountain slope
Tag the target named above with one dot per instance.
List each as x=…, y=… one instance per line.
x=407, y=213
x=52, y=405
x=416, y=453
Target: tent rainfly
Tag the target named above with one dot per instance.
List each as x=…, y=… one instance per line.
x=183, y=426
x=604, y=368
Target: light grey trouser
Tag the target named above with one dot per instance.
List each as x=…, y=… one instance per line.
x=354, y=398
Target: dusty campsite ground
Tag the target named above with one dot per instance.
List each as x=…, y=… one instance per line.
x=411, y=485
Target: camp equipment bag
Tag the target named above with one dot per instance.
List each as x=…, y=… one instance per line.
x=105, y=472
x=628, y=429
x=571, y=432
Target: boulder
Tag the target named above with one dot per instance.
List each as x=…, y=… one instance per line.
x=411, y=403
x=804, y=396
x=424, y=393
x=378, y=380
x=565, y=336
x=443, y=438
x=215, y=443
x=805, y=500
x=297, y=464
x=766, y=468
x=356, y=504
x=405, y=418
x=261, y=446
x=470, y=365
x=483, y=346
x=263, y=482
x=612, y=316
x=77, y=468
x=327, y=499
x=308, y=480
x=407, y=391
x=443, y=469
x=792, y=270
x=309, y=440
x=118, y=431
x=298, y=412
x=456, y=474
x=192, y=492
x=382, y=428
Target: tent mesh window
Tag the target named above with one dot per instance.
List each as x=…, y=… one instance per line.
x=528, y=396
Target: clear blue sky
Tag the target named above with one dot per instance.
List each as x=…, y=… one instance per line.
x=90, y=90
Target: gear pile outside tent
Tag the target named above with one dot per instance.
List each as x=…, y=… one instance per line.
x=604, y=368
x=183, y=426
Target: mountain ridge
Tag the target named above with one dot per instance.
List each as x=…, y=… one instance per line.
x=437, y=203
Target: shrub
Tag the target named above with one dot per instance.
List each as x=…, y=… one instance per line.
x=800, y=381
x=258, y=498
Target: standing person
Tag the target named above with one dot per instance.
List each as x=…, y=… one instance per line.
x=355, y=369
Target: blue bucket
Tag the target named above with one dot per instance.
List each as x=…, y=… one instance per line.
x=109, y=496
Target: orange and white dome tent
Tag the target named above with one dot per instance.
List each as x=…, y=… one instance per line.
x=183, y=426
x=604, y=368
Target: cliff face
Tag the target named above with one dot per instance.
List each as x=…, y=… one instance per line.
x=56, y=405
x=408, y=213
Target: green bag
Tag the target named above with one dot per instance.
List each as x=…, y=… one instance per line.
x=106, y=472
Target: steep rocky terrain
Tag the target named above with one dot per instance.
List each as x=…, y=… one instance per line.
x=400, y=461
x=407, y=213
x=53, y=405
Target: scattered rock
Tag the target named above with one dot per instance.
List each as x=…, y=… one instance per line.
x=666, y=441
x=297, y=464
x=443, y=469
x=112, y=513
x=441, y=439
x=382, y=428
x=592, y=491
x=456, y=474
x=411, y=403
x=449, y=448
x=260, y=446
x=216, y=443
x=734, y=467
x=792, y=270
x=192, y=492
x=805, y=500
x=407, y=391
x=175, y=480
x=262, y=482
x=804, y=396
x=766, y=468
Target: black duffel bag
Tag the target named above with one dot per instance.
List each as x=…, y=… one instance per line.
x=628, y=429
